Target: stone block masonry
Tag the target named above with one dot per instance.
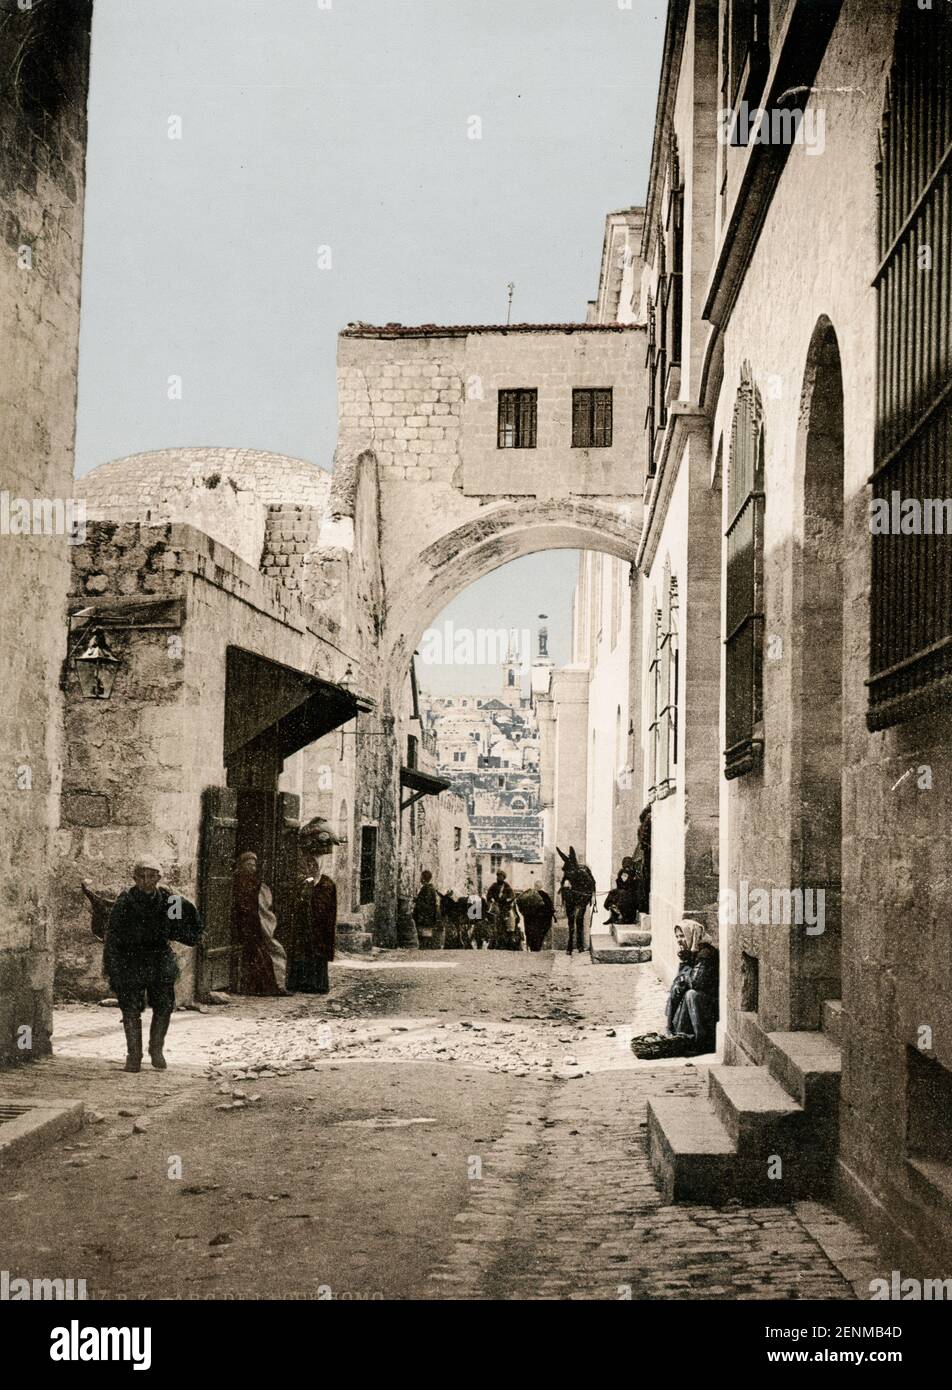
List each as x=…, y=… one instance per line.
x=44, y=59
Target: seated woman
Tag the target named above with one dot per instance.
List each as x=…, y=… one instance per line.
x=695, y=1017
x=688, y=935
x=621, y=903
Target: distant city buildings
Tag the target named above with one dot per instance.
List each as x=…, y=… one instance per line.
x=489, y=751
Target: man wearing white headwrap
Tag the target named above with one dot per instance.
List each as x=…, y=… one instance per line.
x=138, y=960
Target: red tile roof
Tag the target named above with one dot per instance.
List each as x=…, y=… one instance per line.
x=462, y=330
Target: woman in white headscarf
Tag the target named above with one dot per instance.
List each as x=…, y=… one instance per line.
x=688, y=935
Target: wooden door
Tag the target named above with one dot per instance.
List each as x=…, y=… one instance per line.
x=216, y=867
x=287, y=820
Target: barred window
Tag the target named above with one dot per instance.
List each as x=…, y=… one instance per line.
x=745, y=583
x=592, y=418
x=517, y=419
x=911, y=590
x=663, y=678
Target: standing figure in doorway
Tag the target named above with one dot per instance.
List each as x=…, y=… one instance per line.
x=314, y=929
x=261, y=965
x=138, y=960
x=577, y=893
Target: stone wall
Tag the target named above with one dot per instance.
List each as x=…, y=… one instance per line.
x=895, y=956
x=44, y=57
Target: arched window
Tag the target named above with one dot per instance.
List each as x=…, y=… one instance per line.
x=911, y=591
x=745, y=583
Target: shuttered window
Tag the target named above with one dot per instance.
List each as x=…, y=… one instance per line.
x=592, y=418
x=911, y=589
x=745, y=584
x=517, y=419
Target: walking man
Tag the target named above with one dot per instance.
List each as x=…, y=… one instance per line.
x=138, y=960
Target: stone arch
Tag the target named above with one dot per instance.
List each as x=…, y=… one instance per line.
x=468, y=552
x=816, y=637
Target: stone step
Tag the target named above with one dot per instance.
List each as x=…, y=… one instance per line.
x=833, y=1021
x=630, y=935
x=695, y=1159
x=692, y=1154
x=807, y=1064
x=753, y=1107
x=606, y=951
x=353, y=939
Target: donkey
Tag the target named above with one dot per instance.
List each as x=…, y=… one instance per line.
x=577, y=893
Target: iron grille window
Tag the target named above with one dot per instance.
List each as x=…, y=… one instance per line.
x=517, y=419
x=745, y=583
x=368, y=864
x=592, y=418
x=911, y=592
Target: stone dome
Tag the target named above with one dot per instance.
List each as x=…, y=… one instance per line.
x=226, y=493
x=137, y=479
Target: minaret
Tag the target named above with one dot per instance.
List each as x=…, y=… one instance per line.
x=541, y=673
x=512, y=668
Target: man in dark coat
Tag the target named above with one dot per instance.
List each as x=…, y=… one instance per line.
x=314, y=934
x=426, y=912
x=501, y=902
x=138, y=960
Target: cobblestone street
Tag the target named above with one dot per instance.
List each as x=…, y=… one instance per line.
x=495, y=1092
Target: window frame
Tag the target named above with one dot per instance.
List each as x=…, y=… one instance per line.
x=910, y=596
x=588, y=438
x=746, y=499
x=521, y=430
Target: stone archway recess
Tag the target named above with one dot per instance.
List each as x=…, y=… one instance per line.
x=816, y=742
x=447, y=565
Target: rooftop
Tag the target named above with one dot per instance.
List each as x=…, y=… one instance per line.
x=463, y=330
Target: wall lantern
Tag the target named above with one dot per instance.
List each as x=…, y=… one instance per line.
x=96, y=667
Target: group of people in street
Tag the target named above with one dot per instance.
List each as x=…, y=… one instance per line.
x=139, y=927
x=503, y=920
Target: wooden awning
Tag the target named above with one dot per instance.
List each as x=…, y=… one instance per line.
x=420, y=784
x=264, y=699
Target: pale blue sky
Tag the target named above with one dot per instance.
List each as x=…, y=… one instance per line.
x=345, y=126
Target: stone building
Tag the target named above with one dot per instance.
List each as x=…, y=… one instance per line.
x=44, y=56
x=240, y=648
x=814, y=380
